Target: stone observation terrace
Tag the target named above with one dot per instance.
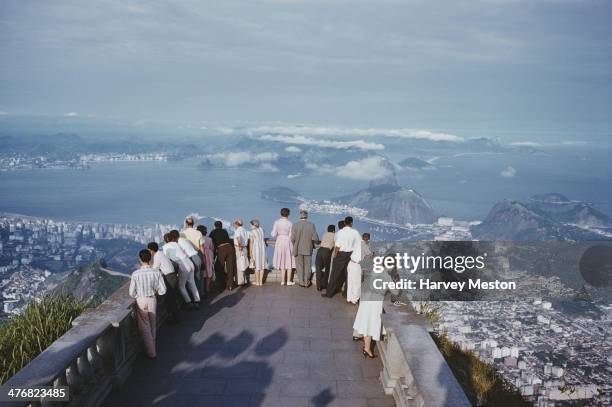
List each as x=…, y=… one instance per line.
x=254, y=346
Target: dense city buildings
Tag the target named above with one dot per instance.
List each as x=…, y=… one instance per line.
x=551, y=355
x=35, y=253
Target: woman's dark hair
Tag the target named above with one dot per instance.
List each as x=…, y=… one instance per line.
x=218, y=224
x=167, y=238
x=153, y=247
x=340, y=224
x=202, y=229
x=331, y=228
x=145, y=256
x=285, y=212
x=174, y=234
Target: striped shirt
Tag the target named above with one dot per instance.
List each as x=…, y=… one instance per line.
x=146, y=282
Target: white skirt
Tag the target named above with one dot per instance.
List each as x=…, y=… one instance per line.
x=368, y=320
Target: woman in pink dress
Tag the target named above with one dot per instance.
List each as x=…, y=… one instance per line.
x=283, y=259
x=209, y=256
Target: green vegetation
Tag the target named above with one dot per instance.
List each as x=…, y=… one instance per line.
x=90, y=283
x=481, y=382
x=430, y=311
x=23, y=337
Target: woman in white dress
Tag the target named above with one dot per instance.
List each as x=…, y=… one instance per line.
x=368, y=321
x=241, y=242
x=257, y=249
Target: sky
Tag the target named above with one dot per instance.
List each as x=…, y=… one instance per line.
x=518, y=68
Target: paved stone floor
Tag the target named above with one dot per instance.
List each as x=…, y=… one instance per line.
x=258, y=346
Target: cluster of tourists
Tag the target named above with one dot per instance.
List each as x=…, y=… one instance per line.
x=184, y=268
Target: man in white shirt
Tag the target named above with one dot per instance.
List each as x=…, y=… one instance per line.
x=164, y=265
x=197, y=241
x=144, y=284
x=186, y=270
x=347, y=242
x=191, y=252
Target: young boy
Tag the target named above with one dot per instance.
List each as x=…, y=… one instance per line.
x=145, y=283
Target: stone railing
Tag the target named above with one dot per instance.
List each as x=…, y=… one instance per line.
x=414, y=370
x=93, y=357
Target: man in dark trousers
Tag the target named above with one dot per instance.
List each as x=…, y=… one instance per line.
x=165, y=266
x=346, y=240
x=324, y=256
x=226, y=255
x=304, y=236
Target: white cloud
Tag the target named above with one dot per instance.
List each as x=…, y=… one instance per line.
x=526, y=144
x=243, y=158
x=549, y=144
x=508, y=172
x=225, y=130
x=72, y=114
x=368, y=169
x=357, y=132
x=574, y=143
x=293, y=149
x=310, y=141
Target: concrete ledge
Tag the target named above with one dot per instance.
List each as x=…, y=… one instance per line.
x=93, y=357
x=414, y=370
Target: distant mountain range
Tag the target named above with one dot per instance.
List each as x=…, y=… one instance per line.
x=545, y=217
x=69, y=146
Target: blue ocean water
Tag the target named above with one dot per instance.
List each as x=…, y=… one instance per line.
x=464, y=187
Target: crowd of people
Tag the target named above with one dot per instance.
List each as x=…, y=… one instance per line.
x=184, y=268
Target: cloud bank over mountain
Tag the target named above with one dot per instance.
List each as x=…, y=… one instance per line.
x=310, y=141
x=401, y=133
x=368, y=169
x=262, y=161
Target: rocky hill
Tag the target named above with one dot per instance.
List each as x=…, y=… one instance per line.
x=392, y=203
x=513, y=220
x=282, y=195
x=564, y=210
x=415, y=163
x=91, y=282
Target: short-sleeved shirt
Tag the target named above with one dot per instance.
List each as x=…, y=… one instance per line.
x=146, y=282
x=219, y=237
x=194, y=236
x=349, y=240
x=242, y=235
x=187, y=247
x=328, y=240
